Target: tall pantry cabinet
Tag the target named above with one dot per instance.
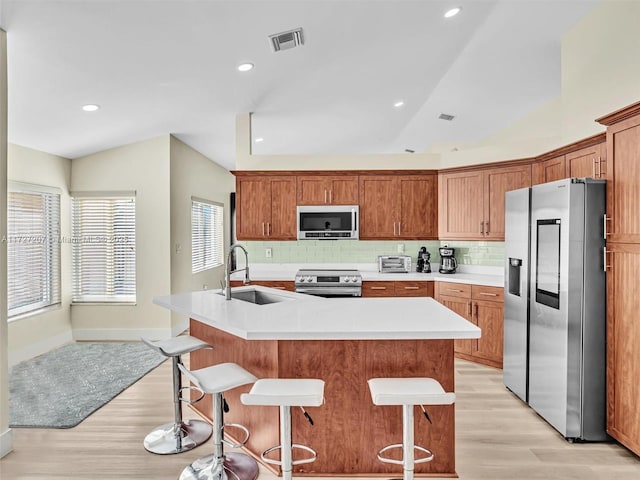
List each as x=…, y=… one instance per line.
x=622, y=263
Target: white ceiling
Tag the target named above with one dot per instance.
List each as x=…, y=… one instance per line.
x=169, y=66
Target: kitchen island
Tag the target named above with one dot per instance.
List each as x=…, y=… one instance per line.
x=345, y=342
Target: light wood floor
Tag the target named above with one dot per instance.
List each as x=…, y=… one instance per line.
x=497, y=438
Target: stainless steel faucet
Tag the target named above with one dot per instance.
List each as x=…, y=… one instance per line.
x=228, y=271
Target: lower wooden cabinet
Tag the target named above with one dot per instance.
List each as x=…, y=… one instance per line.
x=483, y=306
x=280, y=285
x=397, y=289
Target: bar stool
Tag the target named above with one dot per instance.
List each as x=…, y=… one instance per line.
x=408, y=392
x=180, y=435
x=216, y=380
x=286, y=393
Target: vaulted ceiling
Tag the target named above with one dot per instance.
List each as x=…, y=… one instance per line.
x=159, y=67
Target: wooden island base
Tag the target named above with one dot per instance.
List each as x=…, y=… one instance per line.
x=349, y=430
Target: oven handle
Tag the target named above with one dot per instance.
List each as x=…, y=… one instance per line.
x=330, y=291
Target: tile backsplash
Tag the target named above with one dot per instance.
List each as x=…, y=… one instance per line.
x=367, y=251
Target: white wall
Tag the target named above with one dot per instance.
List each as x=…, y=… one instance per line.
x=142, y=167
x=35, y=334
x=6, y=440
x=193, y=174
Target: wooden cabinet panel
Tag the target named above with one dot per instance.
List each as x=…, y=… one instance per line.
x=277, y=284
x=497, y=182
x=413, y=289
x=463, y=308
x=587, y=162
x=461, y=209
x=419, y=207
x=266, y=208
x=398, y=207
x=482, y=292
x=550, y=170
x=623, y=181
x=378, y=289
x=451, y=289
x=623, y=338
x=489, y=316
x=328, y=190
x=379, y=206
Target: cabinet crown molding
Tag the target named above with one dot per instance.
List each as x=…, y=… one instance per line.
x=620, y=115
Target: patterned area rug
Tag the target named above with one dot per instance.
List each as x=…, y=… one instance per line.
x=62, y=387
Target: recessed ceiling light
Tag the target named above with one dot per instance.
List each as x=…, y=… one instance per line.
x=90, y=107
x=245, y=67
x=398, y=104
x=452, y=13
x=259, y=139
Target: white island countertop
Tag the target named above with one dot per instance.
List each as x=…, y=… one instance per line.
x=306, y=317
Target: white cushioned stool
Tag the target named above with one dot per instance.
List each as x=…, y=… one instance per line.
x=408, y=392
x=216, y=380
x=286, y=393
x=179, y=435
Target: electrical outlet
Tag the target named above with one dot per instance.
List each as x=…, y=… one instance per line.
x=401, y=248
x=204, y=286
x=268, y=252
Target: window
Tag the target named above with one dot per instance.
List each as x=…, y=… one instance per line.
x=104, y=247
x=206, y=235
x=33, y=248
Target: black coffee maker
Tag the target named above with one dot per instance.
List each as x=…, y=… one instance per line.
x=423, y=265
x=448, y=262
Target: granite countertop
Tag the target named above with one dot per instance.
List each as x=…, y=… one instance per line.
x=307, y=317
x=471, y=274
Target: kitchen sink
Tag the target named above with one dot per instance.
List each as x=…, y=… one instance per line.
x=256, y=297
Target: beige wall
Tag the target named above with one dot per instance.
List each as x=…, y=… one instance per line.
x=35, y=334
x=142, y=167
x=193, y=174
x=6, y=441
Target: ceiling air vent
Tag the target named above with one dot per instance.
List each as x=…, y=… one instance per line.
x=286, y=40
x=446, y=116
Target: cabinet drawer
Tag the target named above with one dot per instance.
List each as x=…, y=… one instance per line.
x=450, y=289
x=414, y=289
x=277, y=284
x=378, y=289
x=482, y=292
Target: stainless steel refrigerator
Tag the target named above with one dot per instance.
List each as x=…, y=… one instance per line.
x=554, y=312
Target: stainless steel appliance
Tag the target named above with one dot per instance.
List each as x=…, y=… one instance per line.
x=423, y=265
x=394, y=263
x=448, y=263
x=554, y=313
x=329, y=283
x=328, y=222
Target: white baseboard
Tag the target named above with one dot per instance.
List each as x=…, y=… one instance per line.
x=39, y=348
x=6, y=442
x=98, y=334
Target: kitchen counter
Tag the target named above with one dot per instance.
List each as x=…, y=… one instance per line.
x=345, y=342
x=307, y=317
x=471, y=274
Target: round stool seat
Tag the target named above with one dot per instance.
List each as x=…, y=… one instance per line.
x=409, y=391
x=294, y=392
x=176, y=346
x=219, y=378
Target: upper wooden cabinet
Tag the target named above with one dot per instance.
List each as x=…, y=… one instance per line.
x=589, y=162
x=327, y=190
x=266, y=207
x=549, y=170
x=471, y=203
x=398, y=207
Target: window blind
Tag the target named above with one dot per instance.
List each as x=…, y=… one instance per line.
x=206, y=235
x=33, y=251
x=104, y=248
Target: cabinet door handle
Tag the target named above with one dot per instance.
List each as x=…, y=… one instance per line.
x=399, y=224
x=330, y=201
x=280, y=288
x=469, y=309
x=378, y=288
x=489, y=294
x=604, y=228
x=474, y=310
x=263, y=229
x=600, y=162
x=595, y=173
x=394, y=229
x=268, y=229
x=411, y=288
x=481, y=228
x=325, y=196
x=487, y=228
x=605, y=266
x=453, y=290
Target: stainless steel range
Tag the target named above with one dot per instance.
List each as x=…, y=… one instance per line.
x=329, y=283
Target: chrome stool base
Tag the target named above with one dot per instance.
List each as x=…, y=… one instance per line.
x=237, y=466
x=163, y=440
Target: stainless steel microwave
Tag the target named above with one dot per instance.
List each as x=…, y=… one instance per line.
x=328, y=222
